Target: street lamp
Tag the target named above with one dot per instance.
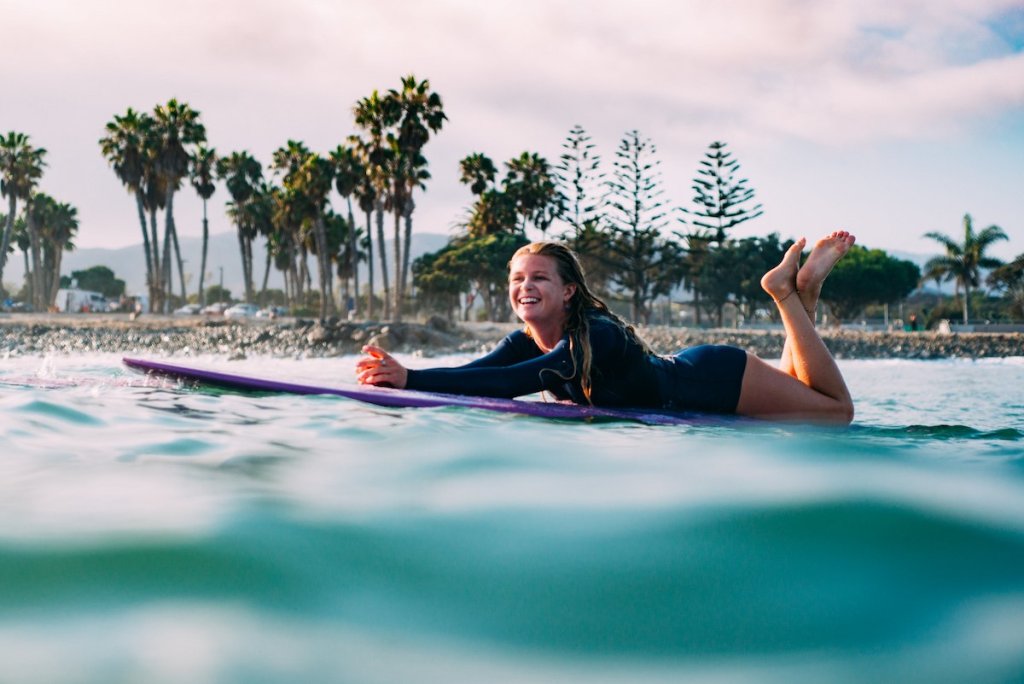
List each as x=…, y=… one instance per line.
x=220, y=295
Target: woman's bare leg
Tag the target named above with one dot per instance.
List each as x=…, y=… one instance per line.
x=810, y=277
x=815, y=390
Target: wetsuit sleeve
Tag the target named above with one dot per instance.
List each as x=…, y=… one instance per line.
x=512, y=349
x=524, y=377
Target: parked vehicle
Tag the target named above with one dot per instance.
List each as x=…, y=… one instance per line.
x=241, y=311
x=187, y=310
x=272, y=312
x=215, y=309
x=14, y=306
x=81, y=301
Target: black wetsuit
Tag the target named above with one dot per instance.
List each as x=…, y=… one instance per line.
x=623, y=374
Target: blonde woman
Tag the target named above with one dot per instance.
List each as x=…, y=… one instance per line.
x=575, y=348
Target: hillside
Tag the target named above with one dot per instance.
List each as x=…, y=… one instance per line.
x=128, y=263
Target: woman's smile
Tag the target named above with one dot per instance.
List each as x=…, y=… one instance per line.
x=536, y=291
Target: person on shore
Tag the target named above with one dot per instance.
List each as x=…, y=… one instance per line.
x=575, y=348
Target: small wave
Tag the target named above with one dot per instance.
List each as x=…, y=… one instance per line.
x=943, y=432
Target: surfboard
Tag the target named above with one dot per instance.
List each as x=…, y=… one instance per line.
x=382, y=396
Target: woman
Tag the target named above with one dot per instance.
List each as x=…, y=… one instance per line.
x=575, y=348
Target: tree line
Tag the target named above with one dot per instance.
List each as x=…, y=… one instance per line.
x=43, y=229
x=637, y=247
x=379, y=169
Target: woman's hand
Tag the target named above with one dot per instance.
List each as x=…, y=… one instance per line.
x=380, y=368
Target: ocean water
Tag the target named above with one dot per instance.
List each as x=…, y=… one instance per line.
x=153, y=533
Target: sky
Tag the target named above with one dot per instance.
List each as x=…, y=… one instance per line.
x=888, y=118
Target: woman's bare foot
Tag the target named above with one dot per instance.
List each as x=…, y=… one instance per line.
x=826, y=253
x=780, y=282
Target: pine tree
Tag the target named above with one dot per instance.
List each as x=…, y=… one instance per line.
x=636, y=253
x=719, y=196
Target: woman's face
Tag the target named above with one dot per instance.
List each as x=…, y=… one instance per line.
x=536, y=291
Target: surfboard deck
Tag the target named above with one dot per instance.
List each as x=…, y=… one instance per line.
x=382, y=396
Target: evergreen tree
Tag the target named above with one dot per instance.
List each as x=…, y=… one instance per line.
x=636, y=251
x=579, y=178
x=96, y=279
x=720, y=197
x=581, y=182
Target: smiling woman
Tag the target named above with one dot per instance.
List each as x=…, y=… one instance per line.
x=574, y=347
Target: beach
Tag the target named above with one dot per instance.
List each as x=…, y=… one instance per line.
x=34, y=334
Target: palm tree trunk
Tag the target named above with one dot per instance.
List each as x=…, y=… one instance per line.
x=166, y=307
x=409, y=206
x=202, y=268
x=171, y=240
x=321, y=259
x=241, y=253
x=181, y=263
x=266, y=275
x=967, y=297
x=51, y=295
x=383, y=260
x=369, y=265
x=353, y=250
x=141, y=206
x=250, y=285
x=37, y=266
x=12, y=207
x=156, y=296
x=398, y=265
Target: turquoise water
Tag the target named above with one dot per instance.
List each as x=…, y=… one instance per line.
x=149, y=533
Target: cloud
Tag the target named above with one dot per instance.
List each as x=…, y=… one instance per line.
x=515, y=75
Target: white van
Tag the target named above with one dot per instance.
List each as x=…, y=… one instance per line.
x=81, y=301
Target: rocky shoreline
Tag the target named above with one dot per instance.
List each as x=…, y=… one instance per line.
x=166, y=336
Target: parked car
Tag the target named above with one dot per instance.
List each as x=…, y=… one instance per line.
x=215, y=309
x=241, y=311
x=187, y=310
x=272, y=312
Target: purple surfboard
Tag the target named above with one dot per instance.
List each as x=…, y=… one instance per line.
x=382, y=396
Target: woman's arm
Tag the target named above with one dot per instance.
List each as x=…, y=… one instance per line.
x=380, y=368
x=516, y=380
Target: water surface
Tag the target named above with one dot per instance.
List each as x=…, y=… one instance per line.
x=155, y=533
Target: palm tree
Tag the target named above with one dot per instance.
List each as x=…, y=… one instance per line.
x=313, y=184
x=298, y=213
x=349, y=172
x=21, y=167
x=419, y=112
x=242, y=173
x=177, y=128
x=533, y=185
x=366, y=196
x=478, y=172
x=203, y=176
x=963, y=262
x=374, y=115
x=124, y=148
x=56, y=224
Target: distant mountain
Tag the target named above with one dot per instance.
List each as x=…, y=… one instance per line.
x=128, y=263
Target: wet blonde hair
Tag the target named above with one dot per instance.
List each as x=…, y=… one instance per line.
x=577, y=325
